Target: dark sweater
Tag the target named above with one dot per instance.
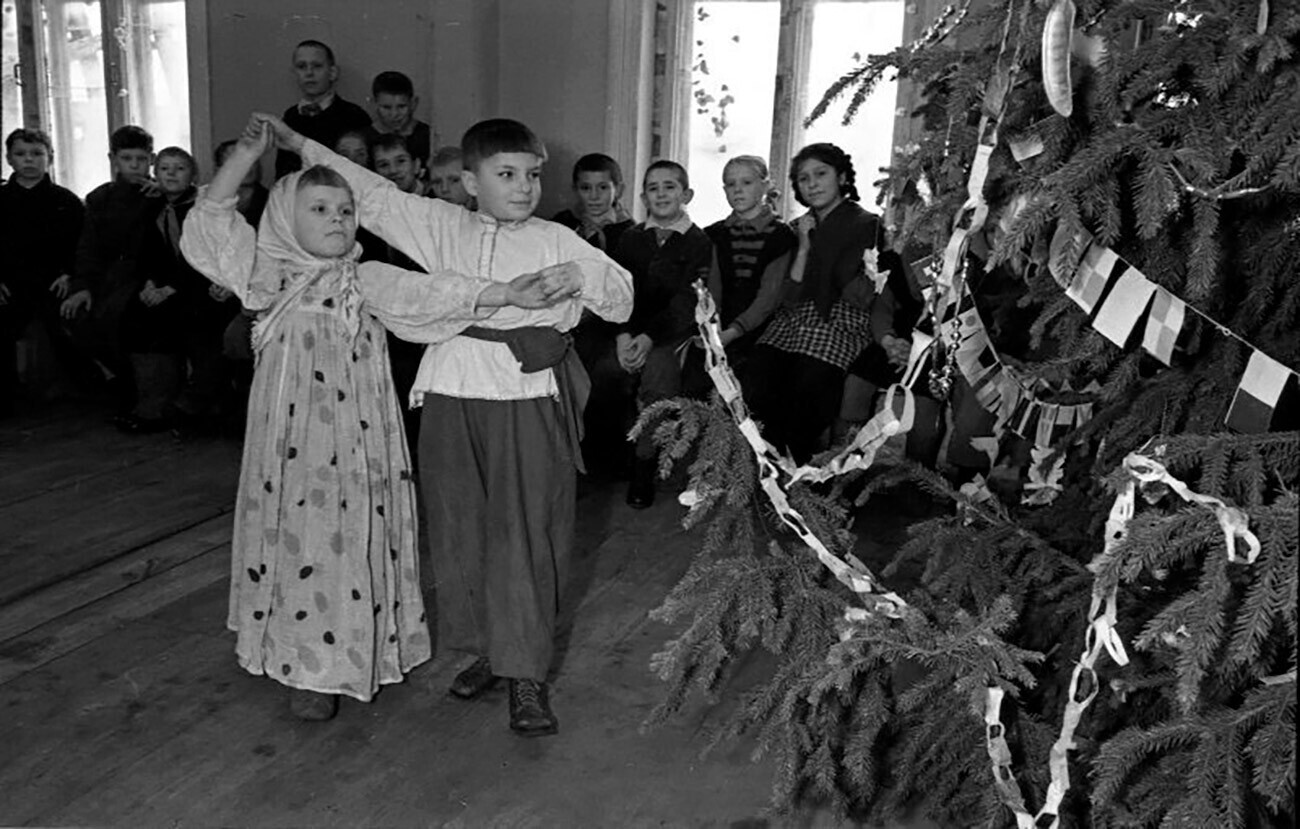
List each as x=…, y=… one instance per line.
x=339, y=117
x=42, y=225
x=664, y=304
x=106, y=251
x=835, y=253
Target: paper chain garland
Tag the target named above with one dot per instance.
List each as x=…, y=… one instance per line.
x=772, y=465
x=1101, y=635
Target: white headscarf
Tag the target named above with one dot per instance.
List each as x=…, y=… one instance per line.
x=283, y=270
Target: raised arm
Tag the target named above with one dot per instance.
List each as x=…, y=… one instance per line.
x=406, y=221
x=216, y=239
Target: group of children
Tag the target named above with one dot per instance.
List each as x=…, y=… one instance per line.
x=378, y=280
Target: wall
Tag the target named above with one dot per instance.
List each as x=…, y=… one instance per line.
x=544, y=62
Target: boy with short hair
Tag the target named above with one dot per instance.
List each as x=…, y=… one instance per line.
x=665, y=255
x=354, y=145
x=391, y=157
x=499, y=438
x=445, y=182
x=105, y=278
x=42, y=223
x=321, y=114
x=174, y=320
x=395, y=102
x=597, y=214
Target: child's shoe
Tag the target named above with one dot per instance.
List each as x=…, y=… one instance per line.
x=313, y=706
x=474, y=680
x=530, y=709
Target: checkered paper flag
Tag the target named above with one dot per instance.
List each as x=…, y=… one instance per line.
x=1124, y=305
x=1164, y=324
x=1100, y=267
x=1261, y=392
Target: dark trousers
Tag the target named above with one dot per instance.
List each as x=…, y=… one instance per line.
x=619, y=394
x=499, y=490
x=794, y=396
x=404, y=357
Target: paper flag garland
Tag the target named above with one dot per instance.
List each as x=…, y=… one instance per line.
x=1164, y=324
x=1123, y=306
x=1259, y=395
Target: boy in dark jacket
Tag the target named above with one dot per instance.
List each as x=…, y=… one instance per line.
x=42, y=223
x=665, y=255
x=105, y=278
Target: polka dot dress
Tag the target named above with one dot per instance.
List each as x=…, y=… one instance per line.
x=324, y=591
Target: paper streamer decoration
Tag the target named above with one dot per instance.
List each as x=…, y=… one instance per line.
x=772, y=465
x=1101, y=635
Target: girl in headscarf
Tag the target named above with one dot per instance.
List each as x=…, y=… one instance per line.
x=325, y=591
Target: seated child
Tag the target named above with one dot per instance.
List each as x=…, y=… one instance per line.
x=354, y=145
x=105, y=281
x=794, y=380
x=665, y=255
x=395, y=104
x=752, y=249
x=597, y=215
x=501, y=408
x=445, y=183
x=599, y=218
x=173, y=317
x=42, y=223
x=391, y=157
x=325, y=594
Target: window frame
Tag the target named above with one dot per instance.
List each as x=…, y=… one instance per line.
x=790, y=98
x=34, y=70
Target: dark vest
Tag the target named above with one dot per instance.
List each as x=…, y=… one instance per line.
x=740, y=283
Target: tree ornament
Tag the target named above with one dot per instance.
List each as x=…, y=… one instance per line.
x=1058, y=31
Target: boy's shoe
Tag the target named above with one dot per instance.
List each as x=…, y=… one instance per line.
x=530, y=709
x=474, y=680
x=313, y=706
x=641, y=489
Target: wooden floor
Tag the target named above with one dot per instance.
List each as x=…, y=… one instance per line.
x=122, y=703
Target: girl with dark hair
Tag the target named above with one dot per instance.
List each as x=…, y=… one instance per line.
x=795, y=376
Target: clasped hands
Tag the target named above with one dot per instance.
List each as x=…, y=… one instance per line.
x=632, y=351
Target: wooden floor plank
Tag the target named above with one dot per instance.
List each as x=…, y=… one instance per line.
x=54, y=639
x=72, y=530
x=113, y=576
x=121, y=702
x=77, y=460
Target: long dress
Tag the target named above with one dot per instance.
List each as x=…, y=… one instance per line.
x=325, y=590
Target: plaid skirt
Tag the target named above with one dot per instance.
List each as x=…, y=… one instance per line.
x=801, y=330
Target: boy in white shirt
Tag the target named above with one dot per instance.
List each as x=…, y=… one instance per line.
x=501, y=406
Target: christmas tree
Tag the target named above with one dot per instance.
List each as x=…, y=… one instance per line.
x=1153, y=147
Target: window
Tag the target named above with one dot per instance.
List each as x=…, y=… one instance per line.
x=91, y=67
x=746, y=74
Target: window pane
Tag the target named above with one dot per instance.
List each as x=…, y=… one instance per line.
x=13, y=97
x=733, y=82
x=157, y=73
x=79, y=118
x=844, y=34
